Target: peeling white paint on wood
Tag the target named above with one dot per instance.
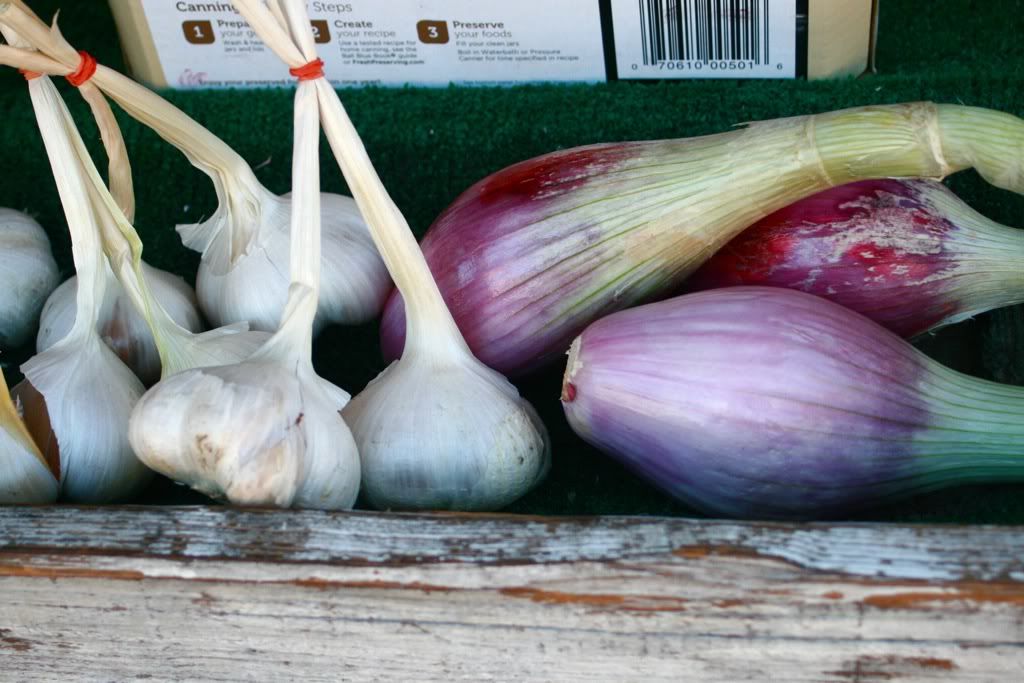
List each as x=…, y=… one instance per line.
x=228, y=594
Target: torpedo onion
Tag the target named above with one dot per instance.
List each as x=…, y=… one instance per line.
x=28, y=274
x=437, y=428
x=909, y=254
x=77, y=395
x=243, y=272
x=766, y=402
x=265, y=431
x=528, y=256
x=25, y=476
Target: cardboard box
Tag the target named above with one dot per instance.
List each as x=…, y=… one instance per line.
x=197, y=44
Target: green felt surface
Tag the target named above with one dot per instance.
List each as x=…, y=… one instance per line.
x=429, y=144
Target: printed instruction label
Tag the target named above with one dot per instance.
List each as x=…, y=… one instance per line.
x=705, y=38
x=388, y=42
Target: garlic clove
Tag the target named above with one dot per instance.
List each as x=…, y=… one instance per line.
x=251, y=285
x=85, y=394
x=120, y=325
x=255, y=433
x=486, y=448
x=25, y=476
x=28, y=274
x=332, y=477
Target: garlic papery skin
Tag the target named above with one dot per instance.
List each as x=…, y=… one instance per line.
x=253, y=286
x=446, y=434
x=268, y=430
x=436, y=429
x=120, y=325
x=25, y=476
x=78, y=395
x=28, y=274
x=85, y=395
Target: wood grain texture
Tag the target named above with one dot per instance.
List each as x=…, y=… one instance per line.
x=228, y=594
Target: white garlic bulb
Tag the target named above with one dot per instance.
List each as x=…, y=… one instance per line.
x=268, y=430
x=437, y=429
x=256, y=433
x=28, y=274
x=25, y=477
x=77, y=395
x=119, y=324
x=446, y=434
x=252, y=285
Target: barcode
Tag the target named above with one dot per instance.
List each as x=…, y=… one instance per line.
x=704, y=30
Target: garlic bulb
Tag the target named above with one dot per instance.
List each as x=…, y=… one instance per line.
x=261, y=432
x=446, y=433
x=120, y=325
x=266, y=431
x=77, y=395
x=28, y=274
x=242, y=272
x=437, y=429
x=253, y=286
x=25, y=477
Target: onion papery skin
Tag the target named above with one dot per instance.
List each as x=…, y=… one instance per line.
x=758, y=402
x=908, y=254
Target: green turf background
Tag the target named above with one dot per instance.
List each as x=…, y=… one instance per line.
x=430, y=144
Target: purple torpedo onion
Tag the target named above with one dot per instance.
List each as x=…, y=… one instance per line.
x=527, y=257
x=909, y=254
x=765, y=402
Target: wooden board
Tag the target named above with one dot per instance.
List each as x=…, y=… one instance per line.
x=223, y=594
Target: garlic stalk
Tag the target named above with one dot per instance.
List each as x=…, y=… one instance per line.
x=120, y=325
x=25, y=476
x=266, y=431
x=437, y=429
x=28, y=274
x=77, y=395
x=245, y=246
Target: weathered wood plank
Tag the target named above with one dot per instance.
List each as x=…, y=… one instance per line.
x=227, y=594
x=941, y=552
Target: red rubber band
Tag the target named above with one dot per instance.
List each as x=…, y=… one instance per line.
x=86, y=68
x=29, y=75
x=309, y=72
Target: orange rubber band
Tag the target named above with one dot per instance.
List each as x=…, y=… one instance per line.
x=309, y=72
x=86, y=68
x=29, y=75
